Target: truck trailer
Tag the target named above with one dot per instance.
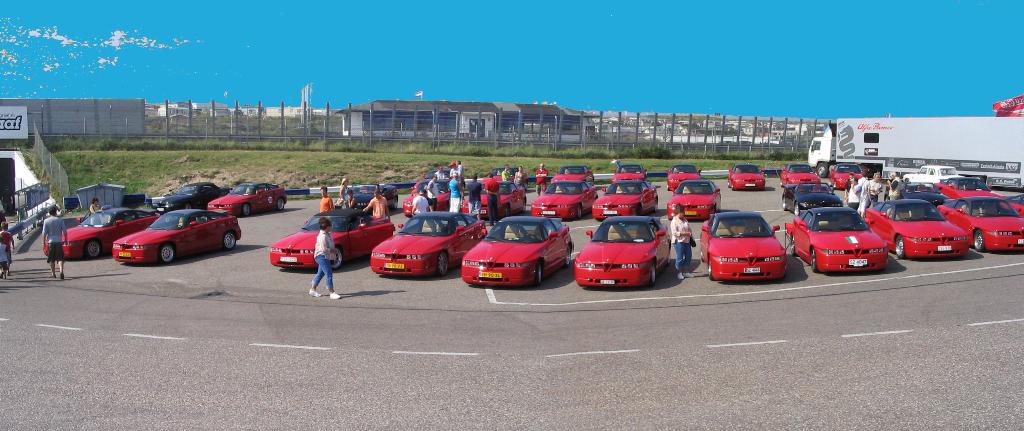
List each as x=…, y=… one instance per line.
x=991, y=148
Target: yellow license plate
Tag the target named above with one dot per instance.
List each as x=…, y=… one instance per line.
x=490, y=275
x=689, y=212
x=124, y=254
x=393, y=265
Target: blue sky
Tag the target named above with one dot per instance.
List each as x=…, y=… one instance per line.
x=800, y=58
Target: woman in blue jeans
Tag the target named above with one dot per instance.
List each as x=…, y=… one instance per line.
x=680, y=234
x=323, y=254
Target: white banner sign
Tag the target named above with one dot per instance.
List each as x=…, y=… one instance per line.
x=13, y=122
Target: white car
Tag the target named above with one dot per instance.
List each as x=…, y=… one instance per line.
x=931, y=174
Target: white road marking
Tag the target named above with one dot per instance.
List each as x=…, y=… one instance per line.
x=3, y=320
x=155, y=337
x=406, y=352
x=868, y=334
x=584, y=227
x=995, y=322
x=490, y=296
x=67, y=328
x=594, y=352
x=752, y=343
x=759, y=292
x=770, y=211
x=288, y=346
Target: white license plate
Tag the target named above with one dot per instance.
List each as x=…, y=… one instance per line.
x=612, y=212
x=289, y=259
x=945, y=248
x=751, y=185
x=548, y=212
x=607, y=281
x=752, y=270
x=1020, y=241
x=858, y=262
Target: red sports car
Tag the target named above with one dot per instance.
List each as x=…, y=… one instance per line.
x=518, y=251
x=179, y=233
x=565, y=200
x=574, y=173
x=1017, y=202
x=742, y=246
x=355, y=234
x=992, y=222
x=798, y=173
x=679, y=173
x=96, y=233
x=840, y=175
x=836, y=239
x=746, y=176
x=442, y=197
x=247, y=198
x=914, y=228
x=626, y=198
x=699, y=198
x=428, y=244
x=962, y=187
x=511, y=200
x=623, y=251
x=630, y=172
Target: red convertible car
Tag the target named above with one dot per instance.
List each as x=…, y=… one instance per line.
x=914, y=228
x=518, y=251
x=991, y=222
x=565, y=200
x=511, y=200
x=443, y=196
x=574, y=173
x=179, y=233
x=96, y=233
x=962, y=187
x=746, y=176
x=679, y=173
x=630, y=172
x=428, y=244
x=626, y=198
x=840, y=175
x=623, y=252
x=742, y=246
x=699, y=198
x=355, y=234
x=798, y=173
x=248, y=198
x=836, y=239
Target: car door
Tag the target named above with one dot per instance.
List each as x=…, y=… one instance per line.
x=589, y=196
x=802, y=235
x=553, y=252
x=378, y=231
x=358, y=238
x=662, y=243
x=880, y=219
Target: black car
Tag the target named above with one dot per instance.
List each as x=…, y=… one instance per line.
x=364, y=192
x=923, y=191
x=195, y=195
x=796, y=197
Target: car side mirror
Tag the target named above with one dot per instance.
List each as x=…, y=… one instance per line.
x=483, y=232
x=553, y=235
x=401, y=225
x=660, y=233
x=460, y=229
x=962, y=209
x=79, y=219
x=589, y=233
x=704, y=228
x=118, y=222
x=193, y=223
x=775, y=228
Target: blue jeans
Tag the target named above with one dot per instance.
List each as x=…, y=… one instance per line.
x=474, y=207
x=683, y=255
x=323, y=268
x=492, y=209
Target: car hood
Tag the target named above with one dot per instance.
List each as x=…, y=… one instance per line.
x=1015, y=224
x=845, y=240
x=819, y=197
x=599, y=252
x=747, y=177
x=746, y=247
x=553, y=199
x=413, y=244
x=494, y=251
x=569, y=177
x=683, y=176
x=232, y=199
x=628, y=176
x=971, y=193
x=148, y=237
x=927, y=229
x=618, y=199
x=173, y=199
x=844, y=175
x=692, y=199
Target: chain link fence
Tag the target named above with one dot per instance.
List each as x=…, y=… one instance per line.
x=52, y=169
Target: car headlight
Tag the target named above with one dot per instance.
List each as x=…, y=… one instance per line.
x=959, y=238
x=703, y=207
x=1002, y=233
x=878, y=250
x=305, y=251
x=380, y=255
x=630, y=266
x=722, y=259
x=773, y=259
x=276, y=250
x=515, y=265
x=586, y=265
x=416, y=256
x=472, y=263
x=831, y=252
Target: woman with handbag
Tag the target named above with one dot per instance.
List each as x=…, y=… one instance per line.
x=682, y=241
x=324, y=253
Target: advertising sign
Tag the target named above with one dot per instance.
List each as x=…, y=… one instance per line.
x=13, y=122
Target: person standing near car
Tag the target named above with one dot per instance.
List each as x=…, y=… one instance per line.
x=432, y=191
x=326, y=203
x=492, y=188
x=6, y=251
x=378, y=206
x=542, y=179
x=474, y=188
x=324, y=253
x=506, y=173
x=456, y=190
x=94, y=206
x=682, y=238
x=863, y=194
x=345, y=195
x=420, y=203
x=54, y=236
x=852, y=198
x=895, y=186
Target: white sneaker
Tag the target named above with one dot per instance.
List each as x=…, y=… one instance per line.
x=688, y=275
x=680, y=276
x=335, y=295
x=314, y=293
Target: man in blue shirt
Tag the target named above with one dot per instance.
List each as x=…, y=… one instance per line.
x=455, y=202
x=475, y=188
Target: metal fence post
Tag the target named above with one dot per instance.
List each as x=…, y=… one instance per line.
x=618, y=131
x=327, y=123
x=814, y=132
x=497, y=126
x=189, y=132
x=167, y=119
x=672, y=130
x=282, y=119
x=799, y=134
x=689, y=129
x=636, y=130
x=785, y=131
x=739, y=130
x=753, y=133
x=583, y=133
x=771, y=127
x=654, y=133
x=213, y=117
x=234, y=120
x=259, y=120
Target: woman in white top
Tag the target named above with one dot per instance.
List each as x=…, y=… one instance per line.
x=680, y=234
x=323, y=254
x=344, y=195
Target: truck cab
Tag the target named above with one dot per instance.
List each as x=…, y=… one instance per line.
x=820, y=154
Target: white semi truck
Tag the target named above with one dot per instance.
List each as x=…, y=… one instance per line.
x=988, y=147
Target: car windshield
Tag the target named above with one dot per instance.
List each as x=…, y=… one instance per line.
x=813, y=188
x=365, y=190
x=838, y=221
x=243, y=189
x=170, y=221
x=742, y=227
x=338, y=224
x=517, y=231
x=801, y=169
x=746, y=169
x=848, y=169
x=631, y=169
x=972, y=184
x=573, y=170
x=186, y=190
x=102, y=219
x=684, y=169
x=565, y=189
x=992, y=208
x=916, y=212
x=624, y=189
x=624, y=231
x=920, y=188
x=428, y=226
x=695, y=189
x=947, y=171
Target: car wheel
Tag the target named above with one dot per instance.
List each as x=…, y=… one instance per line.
x=442, y=264
x=538, y=273
x=280, y=204
x=979, y=240
x=579, y=211
x=823, y=170
x=229, y=240
x=167, y=253
x=711, y=269
x=784, y=206
x=336, y=263
x=814, y=262
x=791, y=244
x=568, y=257
x=92, y=249
x=901, y=251
x=246, y=210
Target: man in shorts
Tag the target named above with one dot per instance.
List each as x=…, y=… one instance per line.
x=54, y=236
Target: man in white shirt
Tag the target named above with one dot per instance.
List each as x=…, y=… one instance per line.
x=420, y=203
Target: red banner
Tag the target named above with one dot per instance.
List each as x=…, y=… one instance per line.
x=1010, y=107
